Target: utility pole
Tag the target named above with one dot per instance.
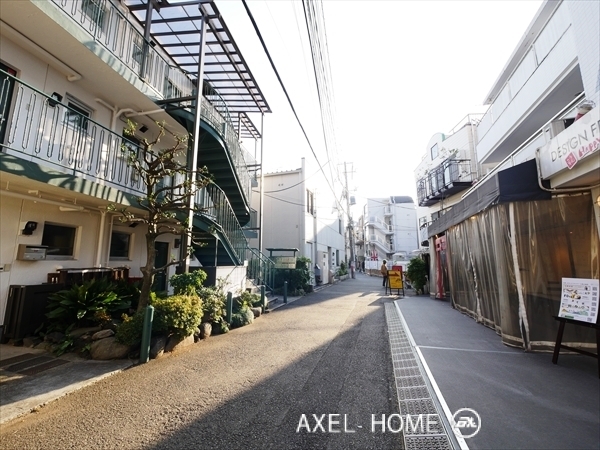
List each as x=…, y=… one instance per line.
x=350, y=225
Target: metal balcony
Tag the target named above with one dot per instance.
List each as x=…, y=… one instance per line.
x=450, y=177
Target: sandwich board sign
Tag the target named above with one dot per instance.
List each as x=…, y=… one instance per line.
x=579, y=299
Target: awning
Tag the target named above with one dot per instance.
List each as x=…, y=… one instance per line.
x=515, y=184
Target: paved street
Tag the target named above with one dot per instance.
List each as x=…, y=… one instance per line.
x=326, y=353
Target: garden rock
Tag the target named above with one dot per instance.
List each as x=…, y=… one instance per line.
x=157, y=346
x=102, y=334
x=205, y=330
x=31, y=341
x=256, y=312
x=176, y=343
x=108, y=348
x=197, y=334
x=78, y=332
x=55, y=337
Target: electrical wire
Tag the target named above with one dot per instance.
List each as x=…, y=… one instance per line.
x=264, y=45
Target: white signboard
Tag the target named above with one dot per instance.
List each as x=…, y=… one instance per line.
x=567, y=149
x=579, y=299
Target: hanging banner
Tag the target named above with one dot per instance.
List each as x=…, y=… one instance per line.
x=579, y=299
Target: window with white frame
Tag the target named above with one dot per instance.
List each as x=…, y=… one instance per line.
x=60, y=240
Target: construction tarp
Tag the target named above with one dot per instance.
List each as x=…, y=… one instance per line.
x=506, y=266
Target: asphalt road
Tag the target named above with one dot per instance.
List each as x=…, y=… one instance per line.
x=309, y=375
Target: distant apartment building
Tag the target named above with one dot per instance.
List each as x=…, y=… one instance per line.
x=292, y=220
x=390, y=227
x=532, y=216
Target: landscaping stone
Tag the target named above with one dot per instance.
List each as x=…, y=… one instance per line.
x=55, y=337
x=31, y=341
x=47, y=346
x=108, y=348
x=176, y=343
x=157, y=346
x=102, y=334
x=205, y=330
x=197, y=334
x=256, y=312
x=78, y=332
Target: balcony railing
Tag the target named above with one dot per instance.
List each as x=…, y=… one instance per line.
x=41, y=129
x=109, y=27
x=440, y=181
x=386, y=227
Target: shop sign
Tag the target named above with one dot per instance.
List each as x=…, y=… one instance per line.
x=568, y=148
x=579, y=299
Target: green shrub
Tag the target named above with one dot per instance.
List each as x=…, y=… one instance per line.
x=242, y=318
x=188, y=283
x=128, y=291
x=213, y=305
x=246, y=300
x=298, y=278
x=129, y=332
x=178, y=314
x=343, y=269
x=416, y=272
x=82, y=304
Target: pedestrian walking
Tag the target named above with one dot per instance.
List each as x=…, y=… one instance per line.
x=384, y=272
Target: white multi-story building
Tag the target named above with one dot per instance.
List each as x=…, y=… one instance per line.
x=447, y=169
x=533, y=217
x=71, y=74
x=390, y=225
x=293, y=221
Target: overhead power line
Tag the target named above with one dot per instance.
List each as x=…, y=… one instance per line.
x=264, y=45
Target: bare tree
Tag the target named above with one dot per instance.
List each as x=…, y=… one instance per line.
x=170, y=187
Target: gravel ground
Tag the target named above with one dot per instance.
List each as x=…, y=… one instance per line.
x=256, y=387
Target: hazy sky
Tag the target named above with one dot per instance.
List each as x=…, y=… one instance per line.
x=402, y=71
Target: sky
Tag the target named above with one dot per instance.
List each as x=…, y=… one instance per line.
x=401, y=71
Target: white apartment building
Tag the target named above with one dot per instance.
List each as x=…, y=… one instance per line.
x=72, y=73
x=292, y=219
x=532, y=218
x=390, y=226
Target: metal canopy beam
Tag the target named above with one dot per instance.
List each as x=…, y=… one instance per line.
x=175, y=28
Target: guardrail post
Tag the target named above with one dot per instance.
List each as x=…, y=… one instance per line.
x=285, y=292
x=146, y=334
x=229, y=307
x=263, y=298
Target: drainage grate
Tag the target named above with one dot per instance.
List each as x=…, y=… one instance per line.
x=16, y=359
x=426, y=443
x=416, y=407
x=404, y=363
x=414, y=397
x=407, y=372
x=432, y=425
x=406, y=382
x=41, y=367
x=413, y=393
x=28, y=363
